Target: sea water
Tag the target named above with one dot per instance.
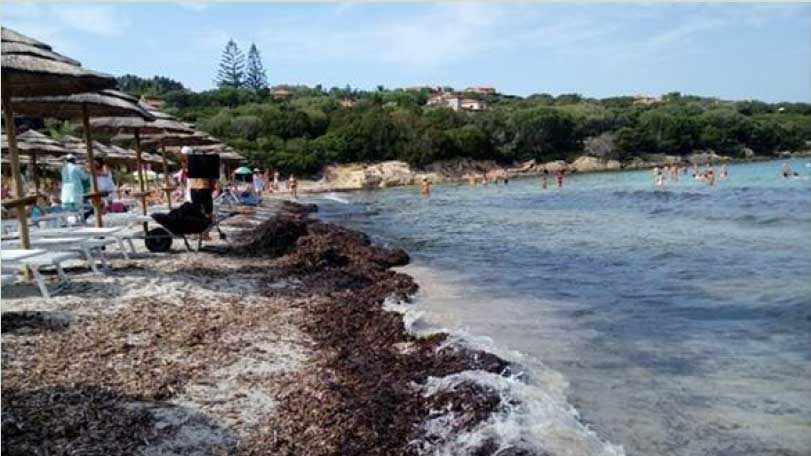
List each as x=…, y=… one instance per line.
x=671, y=321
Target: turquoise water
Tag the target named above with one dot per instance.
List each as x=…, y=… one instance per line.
x=681, y=318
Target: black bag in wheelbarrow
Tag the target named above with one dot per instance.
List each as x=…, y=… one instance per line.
x=184, y=220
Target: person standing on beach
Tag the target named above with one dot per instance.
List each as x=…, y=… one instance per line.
x=425, y=187
x=258, y=183
x=674, y=173
x=276, y=180
x=484, y=179
x=292, y=185
x=471, y=180
x=72, y=188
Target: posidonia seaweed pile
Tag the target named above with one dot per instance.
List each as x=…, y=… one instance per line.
x=277, y=344
x=361, y=394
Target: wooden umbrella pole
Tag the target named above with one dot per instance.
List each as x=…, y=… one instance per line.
x=14, y=158
x=168, y=188
x=137, y=134
x=34, y=173
x=94, y=187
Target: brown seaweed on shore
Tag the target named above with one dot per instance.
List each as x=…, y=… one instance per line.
x=77, y=388
x=361, y=394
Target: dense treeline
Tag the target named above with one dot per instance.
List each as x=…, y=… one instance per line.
x=314, y=126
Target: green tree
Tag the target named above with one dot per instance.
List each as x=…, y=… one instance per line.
x=232, y=66
x=544, y=134
x=256, y=76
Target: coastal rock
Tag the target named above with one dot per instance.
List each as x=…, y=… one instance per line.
x=555, y=166
x=703, y=157
x=389, y=174
x=586, y=164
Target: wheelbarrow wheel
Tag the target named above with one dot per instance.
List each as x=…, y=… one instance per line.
x=158, y=240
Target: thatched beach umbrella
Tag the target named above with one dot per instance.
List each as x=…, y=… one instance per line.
x=34, y=144
x=31, y=68
x=83, y=106
x=131, y=130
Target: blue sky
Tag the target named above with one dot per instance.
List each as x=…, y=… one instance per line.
x=733, y=51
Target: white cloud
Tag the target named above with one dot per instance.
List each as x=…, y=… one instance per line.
x=99, y=20
x=194, y=5
x=428, y=37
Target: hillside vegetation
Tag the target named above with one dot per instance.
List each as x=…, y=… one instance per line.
x=313, y=126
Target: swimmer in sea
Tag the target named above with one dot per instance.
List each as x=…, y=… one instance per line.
x=786, y=171
x=545, y=179
x=559, y=178
x=425, y=187
x=709, y=175
x=724, y=171
x=471, y=180
x=658, y=177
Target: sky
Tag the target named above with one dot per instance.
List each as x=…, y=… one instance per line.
x=726, y=50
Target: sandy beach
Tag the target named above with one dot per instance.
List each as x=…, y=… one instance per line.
x=275, y=342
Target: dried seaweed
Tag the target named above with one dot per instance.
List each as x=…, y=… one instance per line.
x=72, y=391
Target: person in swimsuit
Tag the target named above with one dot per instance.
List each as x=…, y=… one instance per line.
x=786, y=171
x=292, y=185
x=658, y=177
x=559, y=178
x=425, y=187
x=545, y=179
x=709, y=175
x=724, y=171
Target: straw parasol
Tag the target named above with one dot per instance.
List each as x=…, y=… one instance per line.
x=170, y=132
x=31, y=68
x=34, y=143
x=130, y=130
x=84, y=105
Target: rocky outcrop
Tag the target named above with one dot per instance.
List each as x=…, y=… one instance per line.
x=362, y=176
x=587, y=164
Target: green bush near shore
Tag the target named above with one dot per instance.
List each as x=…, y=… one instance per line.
x=313, y=127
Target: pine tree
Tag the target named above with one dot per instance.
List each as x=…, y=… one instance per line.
x=257, y=77
x=231, y=67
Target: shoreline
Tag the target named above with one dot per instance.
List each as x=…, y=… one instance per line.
x=372, y=176
x=228, y=350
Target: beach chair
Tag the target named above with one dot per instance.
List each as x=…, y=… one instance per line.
x=69, y=244
x=89, y=232
x=7, y=279
x=35, y=259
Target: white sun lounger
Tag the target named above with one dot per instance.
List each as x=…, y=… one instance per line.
x=36, y=259
x=70, y=244
x=89, y=232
